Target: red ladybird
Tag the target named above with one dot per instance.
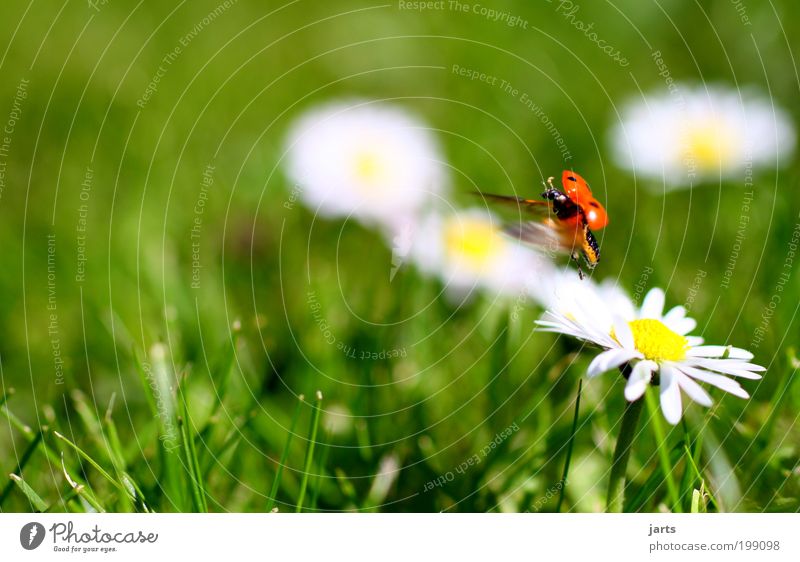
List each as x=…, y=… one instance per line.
x=563, y=221
x=579, y=191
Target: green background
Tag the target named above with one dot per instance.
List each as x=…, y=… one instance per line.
x=469, y=372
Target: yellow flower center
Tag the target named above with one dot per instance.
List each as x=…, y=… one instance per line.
x=657, y=342
x=367, y=166
x=709, y=143
x=472, y=241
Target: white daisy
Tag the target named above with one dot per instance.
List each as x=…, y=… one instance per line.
x=655, y=345
x=693, y=134
x=371, y=160
x=468, y=250
x=565, y=291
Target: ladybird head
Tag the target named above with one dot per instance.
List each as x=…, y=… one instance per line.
x=578, y=190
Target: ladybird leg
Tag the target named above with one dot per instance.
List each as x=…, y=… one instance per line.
x=577, y=261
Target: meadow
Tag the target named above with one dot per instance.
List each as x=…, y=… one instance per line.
x=183, y=332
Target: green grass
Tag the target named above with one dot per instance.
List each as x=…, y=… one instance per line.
x=180, y=398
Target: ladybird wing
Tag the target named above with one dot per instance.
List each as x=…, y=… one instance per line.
x=531, y=207
x=576, y=187
x=574, y=180
x=540, y=235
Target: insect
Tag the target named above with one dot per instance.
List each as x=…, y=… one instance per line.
x=576, y=188
x=563, y=222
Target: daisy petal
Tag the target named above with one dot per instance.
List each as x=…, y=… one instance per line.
x=670, y=395
x=611, y=359
x=732, y=363
x=719, y=351
x=675, y=313
x=623, y=333
x=720, y=381
x=653, y=304
x=693, y=390
x=545, y=326
x=694, y=341
x=639, y=379
x=681, y=326
x=729, y=367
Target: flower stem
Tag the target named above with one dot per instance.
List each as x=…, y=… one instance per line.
x=569, y=447
x=622, y=452
x=663, y=450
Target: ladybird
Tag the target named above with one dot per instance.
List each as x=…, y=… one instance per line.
x=577, y=189
x=563, y=221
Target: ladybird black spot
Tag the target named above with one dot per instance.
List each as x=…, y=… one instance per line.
x=594, y=204
x=571, y=178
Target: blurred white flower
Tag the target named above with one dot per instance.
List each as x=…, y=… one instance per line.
x=401, y=246
x=650, y=342
x=694, y=134
x=337, y=419
x=371, y=160
x=468, y=250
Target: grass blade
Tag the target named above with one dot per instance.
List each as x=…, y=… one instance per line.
x=229, y=444
x=781, y=394
x=114, y=448
x=320, y=476
x=276, y=483
x=6, y=395
x=663, y=450
x=312, y=440
x=345, y=486
x=83, y=454
x=84, y=491
x=570, y=443
x=89, y=418
x=647, y=491
x=220, y=376
x=498, y=363
x=32, y=496
x=26, y=455
x=695, y=501
x=698, y=475
x=159, y=383
x=18, y=423
x=198, y=492
x=64, y=498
